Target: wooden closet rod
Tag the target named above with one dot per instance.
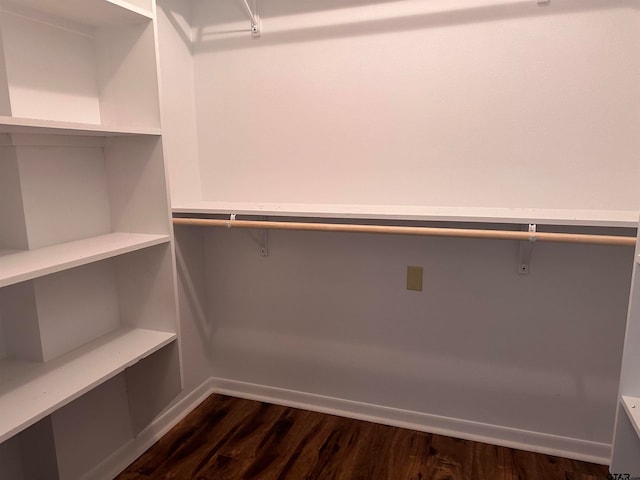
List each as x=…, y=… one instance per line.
x=424, y=231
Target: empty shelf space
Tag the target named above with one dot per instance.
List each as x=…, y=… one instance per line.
x=595, y=218
x=51, y=127
x=29, y=391
x=94, y=13
x=632, y=408
x=29, y=264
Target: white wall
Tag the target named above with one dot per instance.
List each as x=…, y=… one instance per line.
x=485, y=103
x=328, y=314
x=50, y=70
x=178, y=100
x=196, y=327
x=181, y=154
x=457, y=103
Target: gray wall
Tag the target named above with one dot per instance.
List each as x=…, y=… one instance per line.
x=329, y=314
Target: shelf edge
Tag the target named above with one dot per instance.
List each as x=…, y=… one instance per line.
x=632, y=410
x=34, y=126
x=587, y=218
x=85, y=351
x=79, y=259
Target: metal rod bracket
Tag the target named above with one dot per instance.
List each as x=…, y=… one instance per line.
x=264, y=248
x=526, y=248
x=264, y=243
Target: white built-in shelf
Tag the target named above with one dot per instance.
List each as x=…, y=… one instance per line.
x=29, y=391
x=595, y=218
x=51, y=127
x=88, y=12
x=632, y=408
x=20, y=265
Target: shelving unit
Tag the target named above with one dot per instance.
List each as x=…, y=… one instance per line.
x=94, y=12
x=87, y=274
x=32, y=390
x=625, y=458
x=84, y=62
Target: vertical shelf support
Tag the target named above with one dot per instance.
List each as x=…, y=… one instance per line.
x=526, y=247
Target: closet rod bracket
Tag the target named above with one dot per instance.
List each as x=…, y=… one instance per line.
x=262, y=243
x=264, y=248
x=526, y=247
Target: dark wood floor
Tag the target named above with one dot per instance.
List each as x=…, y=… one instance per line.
x=227, y=438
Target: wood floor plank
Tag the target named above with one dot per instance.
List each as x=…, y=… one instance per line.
x=312, y=430
x=318, y=443
x=526, y=465
x=255, y=445
x=228, y=438
x=410, y=454
x=372, y=459
x=205, y=432
x=238, y=430
x=454, y=458
x=491, y=461
x=336, y=457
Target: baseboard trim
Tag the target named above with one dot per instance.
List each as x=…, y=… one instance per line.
x=453, y=427
x=127, y=453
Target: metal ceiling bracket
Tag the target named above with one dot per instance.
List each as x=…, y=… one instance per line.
x=256, y=29
x=526, y=247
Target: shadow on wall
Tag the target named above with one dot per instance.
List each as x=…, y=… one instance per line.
x=560, y=402
x=225, y=26
x=329, y=314
x=195, y=323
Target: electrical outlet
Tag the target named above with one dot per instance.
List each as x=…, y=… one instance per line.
x=414, y=278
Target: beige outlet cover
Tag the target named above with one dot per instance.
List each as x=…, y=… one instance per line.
x=414, y=278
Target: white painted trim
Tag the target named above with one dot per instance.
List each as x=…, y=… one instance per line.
x=130, y=451
x=46, y=140
x=543, y=216
x=21, y=265
x=507, y=437
x=37, y=126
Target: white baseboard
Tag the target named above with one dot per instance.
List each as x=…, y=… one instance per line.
x=127, y=453
x=453, y=427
